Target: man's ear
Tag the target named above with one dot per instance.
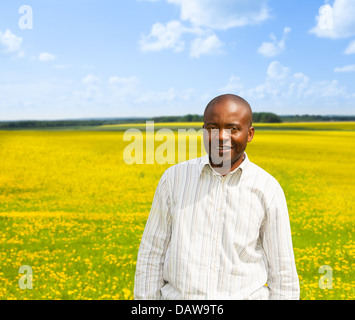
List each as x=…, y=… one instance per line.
x=251, y=132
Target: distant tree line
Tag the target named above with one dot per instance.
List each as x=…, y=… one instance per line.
x=49, y=124
x=186, y=118
x=266, y=117
x=261, y=117
x=38, y=124
x=258, y=117
x=315, y=118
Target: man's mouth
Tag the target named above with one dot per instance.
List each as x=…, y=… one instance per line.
x=224, y=148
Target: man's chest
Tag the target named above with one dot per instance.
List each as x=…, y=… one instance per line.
x=229, y=209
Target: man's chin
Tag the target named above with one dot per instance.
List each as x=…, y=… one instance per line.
x=221, y=159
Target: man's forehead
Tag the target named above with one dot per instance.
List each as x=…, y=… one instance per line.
x=228, y=110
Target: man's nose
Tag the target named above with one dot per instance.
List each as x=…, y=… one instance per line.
x=224, y=135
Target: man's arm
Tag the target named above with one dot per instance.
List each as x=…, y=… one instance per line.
x=277, y=243
x=154, y=243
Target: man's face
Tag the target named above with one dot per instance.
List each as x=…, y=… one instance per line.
x=227, y=133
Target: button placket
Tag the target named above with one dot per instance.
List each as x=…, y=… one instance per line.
x=217, y=236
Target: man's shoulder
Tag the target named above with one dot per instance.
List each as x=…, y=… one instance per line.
x=257, y=170
x=257, y=173
x=193, y=164
x=177, y=175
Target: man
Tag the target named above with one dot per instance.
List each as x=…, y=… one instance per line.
x=218, y=226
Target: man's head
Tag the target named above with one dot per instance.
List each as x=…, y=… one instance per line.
x=228, y=124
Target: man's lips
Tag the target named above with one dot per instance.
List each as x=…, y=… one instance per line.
x=226, y=148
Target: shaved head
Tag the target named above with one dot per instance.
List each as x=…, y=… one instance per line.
x=230, y=98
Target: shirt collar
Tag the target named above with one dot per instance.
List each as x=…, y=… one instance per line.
x=205, y=161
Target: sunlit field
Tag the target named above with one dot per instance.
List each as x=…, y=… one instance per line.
x=74, y=211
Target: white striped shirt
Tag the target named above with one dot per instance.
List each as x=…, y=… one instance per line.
x=213, y=237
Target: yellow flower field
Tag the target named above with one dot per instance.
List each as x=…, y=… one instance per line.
x=74, y=211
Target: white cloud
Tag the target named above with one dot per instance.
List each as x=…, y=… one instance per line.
x=234, y=85
x=210, y=45
x=157, y=96
x=114, y=90
x=91, y=79
x=274, y=48
x=46, y=57
x=282, y=88
x=222, y=14
x=349, y=68
x=277, y=71
x=164, y=37
x=10, y=43
x=202, y=17
x=107, y=91
x=281, y=83
x=351, y=48
x=337, y=21
x=164, y=98
x=326, y=89
x=92, y=91
x=170, y=36
x=122, y=87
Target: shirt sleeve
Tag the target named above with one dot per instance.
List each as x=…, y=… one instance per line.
x=151, y=255
x=277, y=243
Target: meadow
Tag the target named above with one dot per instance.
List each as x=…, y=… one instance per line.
x=74, y=211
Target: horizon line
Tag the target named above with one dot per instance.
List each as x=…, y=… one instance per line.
x=145, y=117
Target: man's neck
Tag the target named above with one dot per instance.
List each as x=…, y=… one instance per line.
x=224, y=170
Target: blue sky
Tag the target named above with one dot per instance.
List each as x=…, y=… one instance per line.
x=62, y=59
